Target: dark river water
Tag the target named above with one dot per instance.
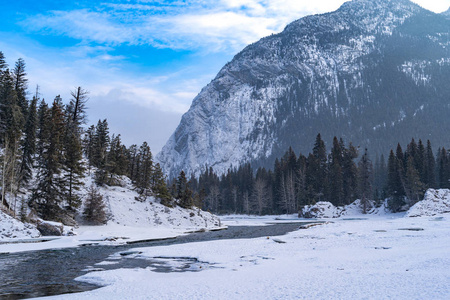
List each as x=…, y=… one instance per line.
x=52, y=272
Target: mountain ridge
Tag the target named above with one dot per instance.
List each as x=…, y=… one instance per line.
x=337, y=66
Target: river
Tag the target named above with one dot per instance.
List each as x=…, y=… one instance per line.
x=52, y=272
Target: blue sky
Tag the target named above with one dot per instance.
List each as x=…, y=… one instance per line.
x=143, y=61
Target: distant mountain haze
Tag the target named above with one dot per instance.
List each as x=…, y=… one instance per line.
x=374, y=72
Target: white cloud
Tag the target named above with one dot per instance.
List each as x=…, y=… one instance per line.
x=225, y=25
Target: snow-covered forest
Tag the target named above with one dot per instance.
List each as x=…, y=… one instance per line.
x=47, y=152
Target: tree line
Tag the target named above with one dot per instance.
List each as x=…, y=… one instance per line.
x=339, y=176
x=45, y=152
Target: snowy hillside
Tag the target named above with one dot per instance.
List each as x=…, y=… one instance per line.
x=337, y=74
x=123, y=208
x=128, y=219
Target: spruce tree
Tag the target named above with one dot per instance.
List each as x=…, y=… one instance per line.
x=430, y=167
x=29, y=143
x=101, y=145
x=94, y=209
x=336, y=180
x=414, y=188
x=20, y=85
x=184, y=193
x=159, y=187
x=365, y=181
x=50, y=190
x=394, y=183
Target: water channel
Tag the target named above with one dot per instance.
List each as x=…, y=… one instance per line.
x=52, y=272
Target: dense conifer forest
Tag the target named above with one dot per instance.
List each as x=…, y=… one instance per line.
x=339, y=176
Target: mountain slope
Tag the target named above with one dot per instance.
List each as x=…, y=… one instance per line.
x=373, y=72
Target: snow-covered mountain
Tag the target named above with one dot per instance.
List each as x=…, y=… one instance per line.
x=374, y=72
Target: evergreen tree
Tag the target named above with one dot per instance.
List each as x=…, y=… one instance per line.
x=43, y=133
x=11, y=124
x=20, y=85
x=394, y=183
x=89, y=143
x=159, y=187
x=350, y=172
x=29, y=143
x=100, y=150
x=443, y=169
x=414, y=188
x=184, y=193
x=145, y=169
x=94, y=210
x=3, y=64
x=50, y=189
x=430, y=167
x=336, y=180
x=364, y=181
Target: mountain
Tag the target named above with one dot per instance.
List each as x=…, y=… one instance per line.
x=374, y=72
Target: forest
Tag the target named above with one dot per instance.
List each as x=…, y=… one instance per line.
x=47, y=148
x=339, y=176
x=46, y=151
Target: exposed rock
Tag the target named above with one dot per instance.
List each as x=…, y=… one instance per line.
x=47, y=229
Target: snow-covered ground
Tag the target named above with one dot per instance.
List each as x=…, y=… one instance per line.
x=381, y=257
x=10, y=228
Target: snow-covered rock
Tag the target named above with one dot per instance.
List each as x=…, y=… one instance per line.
x=434, y=202
x=327, y=210
x=320, y=210
x=11, y=228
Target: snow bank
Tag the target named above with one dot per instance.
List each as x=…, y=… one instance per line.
x=434, y=202
x=11, y=228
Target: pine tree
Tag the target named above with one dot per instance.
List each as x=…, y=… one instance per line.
x=430, y=167
x=184, y=193
x=394, y=183
x=29, y=143
x=365, y=181
x=20, y=85
x=159, y=187
x=349, y=171
x=443, y=169
x=94, y=210
x=336, y=180
x=43, y=133
x=11, y=124
x=145, y=169
x=3, y=64
x=414, y=188
x=49, y=192
x=88, y=145
x=100, y=150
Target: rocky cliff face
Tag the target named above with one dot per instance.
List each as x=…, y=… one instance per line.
x=374, y=72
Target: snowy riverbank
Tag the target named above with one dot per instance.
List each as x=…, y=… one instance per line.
x=376, y=258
